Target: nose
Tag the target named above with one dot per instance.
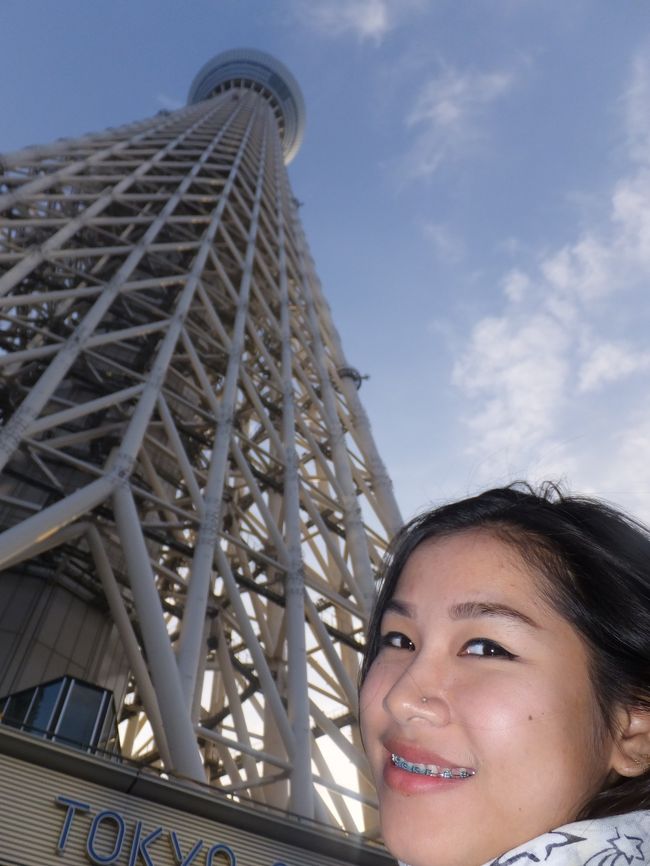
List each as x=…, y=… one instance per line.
x=416, y=697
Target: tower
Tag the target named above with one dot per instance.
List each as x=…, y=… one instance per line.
x=192, y=508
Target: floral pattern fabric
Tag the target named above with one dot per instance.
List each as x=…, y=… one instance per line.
x=622, y=840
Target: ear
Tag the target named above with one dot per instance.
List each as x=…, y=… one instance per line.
x=631, y=746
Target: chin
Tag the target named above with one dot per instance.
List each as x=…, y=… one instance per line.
x=408, y=842
x=416, y=845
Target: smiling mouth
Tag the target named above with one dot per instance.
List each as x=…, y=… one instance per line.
x=432, y=769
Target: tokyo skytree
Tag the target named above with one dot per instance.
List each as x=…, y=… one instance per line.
x=192, y=506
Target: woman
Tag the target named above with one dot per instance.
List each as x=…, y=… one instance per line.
x=505, y=700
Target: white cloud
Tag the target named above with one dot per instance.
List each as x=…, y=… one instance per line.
x=515, y=285
x=582, y=269
x=631, y=212
x=447, y=246
x=366, y=19
x=611, y=362
x=516, y=366
x=635, y=103
x=447, y=116
x=625, y=476
x=551, y=374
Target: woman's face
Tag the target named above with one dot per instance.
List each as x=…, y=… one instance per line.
x=477, y=678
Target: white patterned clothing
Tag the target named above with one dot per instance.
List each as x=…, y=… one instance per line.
x=621, y=840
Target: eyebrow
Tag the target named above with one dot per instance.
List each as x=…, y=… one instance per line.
x=466, y=610
x=394, y=605
x=476, y=609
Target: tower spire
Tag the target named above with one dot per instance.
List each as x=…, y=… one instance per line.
x=192, y=509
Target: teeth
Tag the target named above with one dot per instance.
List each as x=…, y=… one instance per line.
x=432, y=769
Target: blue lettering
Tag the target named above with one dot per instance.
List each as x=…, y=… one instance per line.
x=178, y=854
x=73, y=806
x=100, y=817
x=139, y=844
x=215, y=850
x=108, y=831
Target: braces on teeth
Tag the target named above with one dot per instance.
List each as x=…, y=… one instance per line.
x=432, y=769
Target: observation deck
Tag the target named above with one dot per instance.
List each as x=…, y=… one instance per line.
x=255, y=70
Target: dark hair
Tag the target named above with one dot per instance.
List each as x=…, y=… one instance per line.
x=594, y=563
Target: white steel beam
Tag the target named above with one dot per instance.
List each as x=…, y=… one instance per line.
x=183, y=752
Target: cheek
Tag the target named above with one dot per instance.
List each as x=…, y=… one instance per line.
x=536, y=721
x=501, y=705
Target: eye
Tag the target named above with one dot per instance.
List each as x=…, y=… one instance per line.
x=482, y=646
x=397, y=640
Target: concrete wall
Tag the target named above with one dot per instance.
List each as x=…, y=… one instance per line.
x=47, y=631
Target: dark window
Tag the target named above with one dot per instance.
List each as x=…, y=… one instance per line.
x=40, y=714
x=108, y=739
x=66, y=710
x=79, y=715
x=16, y=708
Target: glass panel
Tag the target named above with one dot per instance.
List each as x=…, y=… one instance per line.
x=18, y=705
x=68, y=710
x=40, y=714
x=108, y=737
x=79, y=716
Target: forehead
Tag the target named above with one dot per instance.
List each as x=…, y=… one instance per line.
x=471, y=562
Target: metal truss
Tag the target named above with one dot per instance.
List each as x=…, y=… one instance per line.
x=182, y=443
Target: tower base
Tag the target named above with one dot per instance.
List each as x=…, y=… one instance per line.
x=83, y=809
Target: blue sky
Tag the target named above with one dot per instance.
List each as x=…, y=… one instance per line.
x=476, y=185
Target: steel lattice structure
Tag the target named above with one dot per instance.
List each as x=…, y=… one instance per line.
x=183, y=449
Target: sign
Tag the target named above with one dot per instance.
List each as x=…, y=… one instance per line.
x=113, y=837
